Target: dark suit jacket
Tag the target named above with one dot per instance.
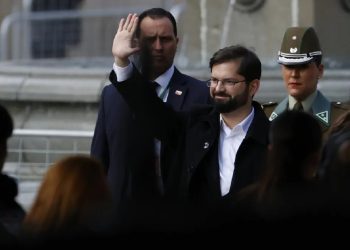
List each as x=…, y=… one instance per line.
x=193, y=138
x=11, y=212
x=126, y=148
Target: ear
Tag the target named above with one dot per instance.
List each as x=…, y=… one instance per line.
x=254, y=87
x=320, y=70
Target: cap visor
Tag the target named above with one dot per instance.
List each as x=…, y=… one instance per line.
x=294, y=61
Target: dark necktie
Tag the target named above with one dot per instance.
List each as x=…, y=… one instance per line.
x=298, y=106
x=159, y=178
x=155, y=85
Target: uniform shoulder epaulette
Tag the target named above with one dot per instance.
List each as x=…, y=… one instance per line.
x=268, y=108
x=269, y=104
x=340, y=105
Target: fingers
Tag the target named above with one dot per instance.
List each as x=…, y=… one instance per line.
x=128, y=24
x=124, y=43
x=121, y=25
x=134, y=23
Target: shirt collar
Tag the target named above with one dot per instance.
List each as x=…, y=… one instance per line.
x=242, y=126
x=164, y=79
x=307, y=103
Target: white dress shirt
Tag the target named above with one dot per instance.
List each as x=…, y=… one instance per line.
x=124, y=73
x=229, y=143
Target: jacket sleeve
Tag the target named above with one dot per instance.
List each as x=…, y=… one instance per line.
x=157, y=117
x=99, y=145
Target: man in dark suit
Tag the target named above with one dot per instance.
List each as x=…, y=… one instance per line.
x=126, y=149
x=219, y=148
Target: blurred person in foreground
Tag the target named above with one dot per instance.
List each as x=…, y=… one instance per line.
x=339, y=126
x=288, y=192
x=73, y=203
x=335, y=167
x=11, y=212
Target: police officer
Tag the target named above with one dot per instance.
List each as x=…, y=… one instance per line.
x=300, y=56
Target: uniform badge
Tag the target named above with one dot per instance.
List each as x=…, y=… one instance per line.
x=206, y=145
x=323, y=116
x=273, y=116
x=293, y=50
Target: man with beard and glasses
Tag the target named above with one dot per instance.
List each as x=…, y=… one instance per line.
x=220, y=148
x=127, y=151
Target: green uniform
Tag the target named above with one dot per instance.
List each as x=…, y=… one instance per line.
x=323, y=110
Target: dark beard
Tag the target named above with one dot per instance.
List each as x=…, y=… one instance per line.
x=233, y=103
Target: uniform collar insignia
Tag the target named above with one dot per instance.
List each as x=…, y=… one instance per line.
x=323, y=116
x=322, y=109
x=282, y=106
x=273, y=116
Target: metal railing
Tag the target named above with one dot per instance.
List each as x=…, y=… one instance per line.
x=31, y=152
x=16, y=30
x=22, y=32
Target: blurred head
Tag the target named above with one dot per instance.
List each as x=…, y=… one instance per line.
x=6, y=129
x=72, y=193
x=339, y=127
x=335, y=163
x=235, y=77
x=157, y=35
x=300, y=56
x=295, y=141
x=342, y=123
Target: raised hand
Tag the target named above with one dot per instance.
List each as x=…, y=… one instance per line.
x=124, y=44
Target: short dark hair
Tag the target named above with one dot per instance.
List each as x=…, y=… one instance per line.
x=6, y=124
x=295, y=137
x=299, y=131
x=155, y=13
x=250, y=66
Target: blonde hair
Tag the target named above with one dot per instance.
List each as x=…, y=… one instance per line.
x=73, y=190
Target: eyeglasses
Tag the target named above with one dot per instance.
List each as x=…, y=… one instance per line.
x=213, y=82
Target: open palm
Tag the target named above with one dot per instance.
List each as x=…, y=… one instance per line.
x=124, y=43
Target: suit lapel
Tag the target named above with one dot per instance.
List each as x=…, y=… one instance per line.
x=203, y=153
x=203, y=137
x=177, y=91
